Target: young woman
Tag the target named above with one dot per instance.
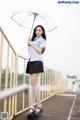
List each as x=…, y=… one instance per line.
x=35, y=66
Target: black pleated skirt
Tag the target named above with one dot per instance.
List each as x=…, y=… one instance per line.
x=34, y=67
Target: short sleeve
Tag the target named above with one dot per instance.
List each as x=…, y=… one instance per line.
x=42, y=43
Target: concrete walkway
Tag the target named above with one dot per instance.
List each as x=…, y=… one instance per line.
x=59, y=107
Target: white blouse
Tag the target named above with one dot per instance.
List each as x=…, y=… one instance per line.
x=33, y=54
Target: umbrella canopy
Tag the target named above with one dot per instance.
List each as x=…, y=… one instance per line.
x=27, y=19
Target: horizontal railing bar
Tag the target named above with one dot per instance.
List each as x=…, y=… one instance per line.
x=22, y=57
x=11, y=91
x=19, y=88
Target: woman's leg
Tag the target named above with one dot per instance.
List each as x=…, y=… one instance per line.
x=34, y=82
x=31, y=96
x=34, y=92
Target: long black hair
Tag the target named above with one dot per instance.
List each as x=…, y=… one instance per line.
x=34, y=32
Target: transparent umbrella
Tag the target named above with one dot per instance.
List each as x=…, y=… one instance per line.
x=27, y=19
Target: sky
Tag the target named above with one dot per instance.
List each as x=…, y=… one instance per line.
x=63, y=43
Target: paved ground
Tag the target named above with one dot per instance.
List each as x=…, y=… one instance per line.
x=59, y=107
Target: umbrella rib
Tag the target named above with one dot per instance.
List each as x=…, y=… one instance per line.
x=16, y=13
x=52, y=29
x=26, y=17
x=19, y=23
x=19, y=13
x=47, y=23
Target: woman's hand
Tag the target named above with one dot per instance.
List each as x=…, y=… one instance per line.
x=29, y=42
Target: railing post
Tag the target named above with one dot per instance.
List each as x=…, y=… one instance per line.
x=10, y=98
x=1, y=50
x=16, y=82
x=23, y=82
x=6, y=80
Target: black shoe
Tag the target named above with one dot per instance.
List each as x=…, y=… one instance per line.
x=31, y=115
x=38, y=111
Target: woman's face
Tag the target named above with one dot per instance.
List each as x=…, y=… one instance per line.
x=39, y=31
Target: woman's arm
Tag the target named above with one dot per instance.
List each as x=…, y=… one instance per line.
x=37, y=49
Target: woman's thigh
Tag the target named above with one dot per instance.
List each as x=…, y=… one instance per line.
x=34, y=78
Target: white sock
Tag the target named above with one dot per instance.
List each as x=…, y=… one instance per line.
x=31, y=96
x=37, y=95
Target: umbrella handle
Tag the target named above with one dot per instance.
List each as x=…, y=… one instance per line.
x=32, y=24
x=35, y=14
